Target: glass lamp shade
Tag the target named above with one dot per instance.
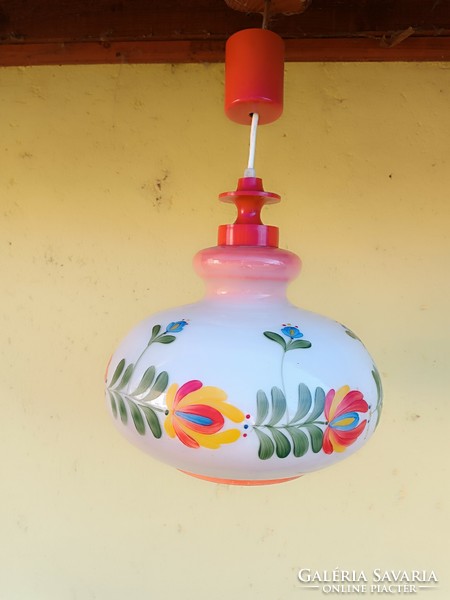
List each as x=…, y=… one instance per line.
x=243, y=387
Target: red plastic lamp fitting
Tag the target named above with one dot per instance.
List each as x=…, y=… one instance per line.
x=248, y=229
x=254, y=76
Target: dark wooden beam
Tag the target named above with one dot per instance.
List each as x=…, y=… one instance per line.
x=36, y=32
x=307, y=50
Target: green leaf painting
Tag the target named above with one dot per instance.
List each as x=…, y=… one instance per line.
x=319, y=404
x=166, y=336
x=298, y=344
x=165, y=339
x=266, y=445
x=350, y=333
x=299, y=440
x=152, y=421
x=283, y=436
x=158, y=387
x=275, y=337
x=262, y=407
x=278, y=406
x=136, y=403
x=304, y=403
x=117, y=372
x=137, y=417
x=126, y=377
x=113, y=404
x=146, y=381
x=282, y=444
x=155, y=331
x=293, y=335
x=316, y=435
x=122, y=409
x=379, y=386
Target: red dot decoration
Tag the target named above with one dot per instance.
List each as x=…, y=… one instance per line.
x=247, y=416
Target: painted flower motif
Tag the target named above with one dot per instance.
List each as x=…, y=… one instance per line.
x=176, y=326
x=291, y=331
x=196, y=415
x=341, y=412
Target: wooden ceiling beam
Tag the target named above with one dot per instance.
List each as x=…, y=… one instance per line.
x=307, y=50
x=42, y=32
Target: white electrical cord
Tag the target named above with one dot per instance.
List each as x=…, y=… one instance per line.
x=250, y=170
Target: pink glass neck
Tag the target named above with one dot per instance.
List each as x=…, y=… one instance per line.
x=246, y=272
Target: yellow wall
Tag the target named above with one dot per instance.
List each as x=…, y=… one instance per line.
x=108, y=184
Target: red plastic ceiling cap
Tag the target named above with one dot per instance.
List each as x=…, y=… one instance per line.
x=254, y=75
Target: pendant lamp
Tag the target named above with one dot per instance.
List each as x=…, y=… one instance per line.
x=243, y=387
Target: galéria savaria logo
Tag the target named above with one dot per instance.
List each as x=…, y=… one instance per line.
x=378, y=581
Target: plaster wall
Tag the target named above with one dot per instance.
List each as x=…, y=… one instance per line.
x=108, y=185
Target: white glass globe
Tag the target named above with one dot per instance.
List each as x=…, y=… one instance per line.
x=243, y=387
